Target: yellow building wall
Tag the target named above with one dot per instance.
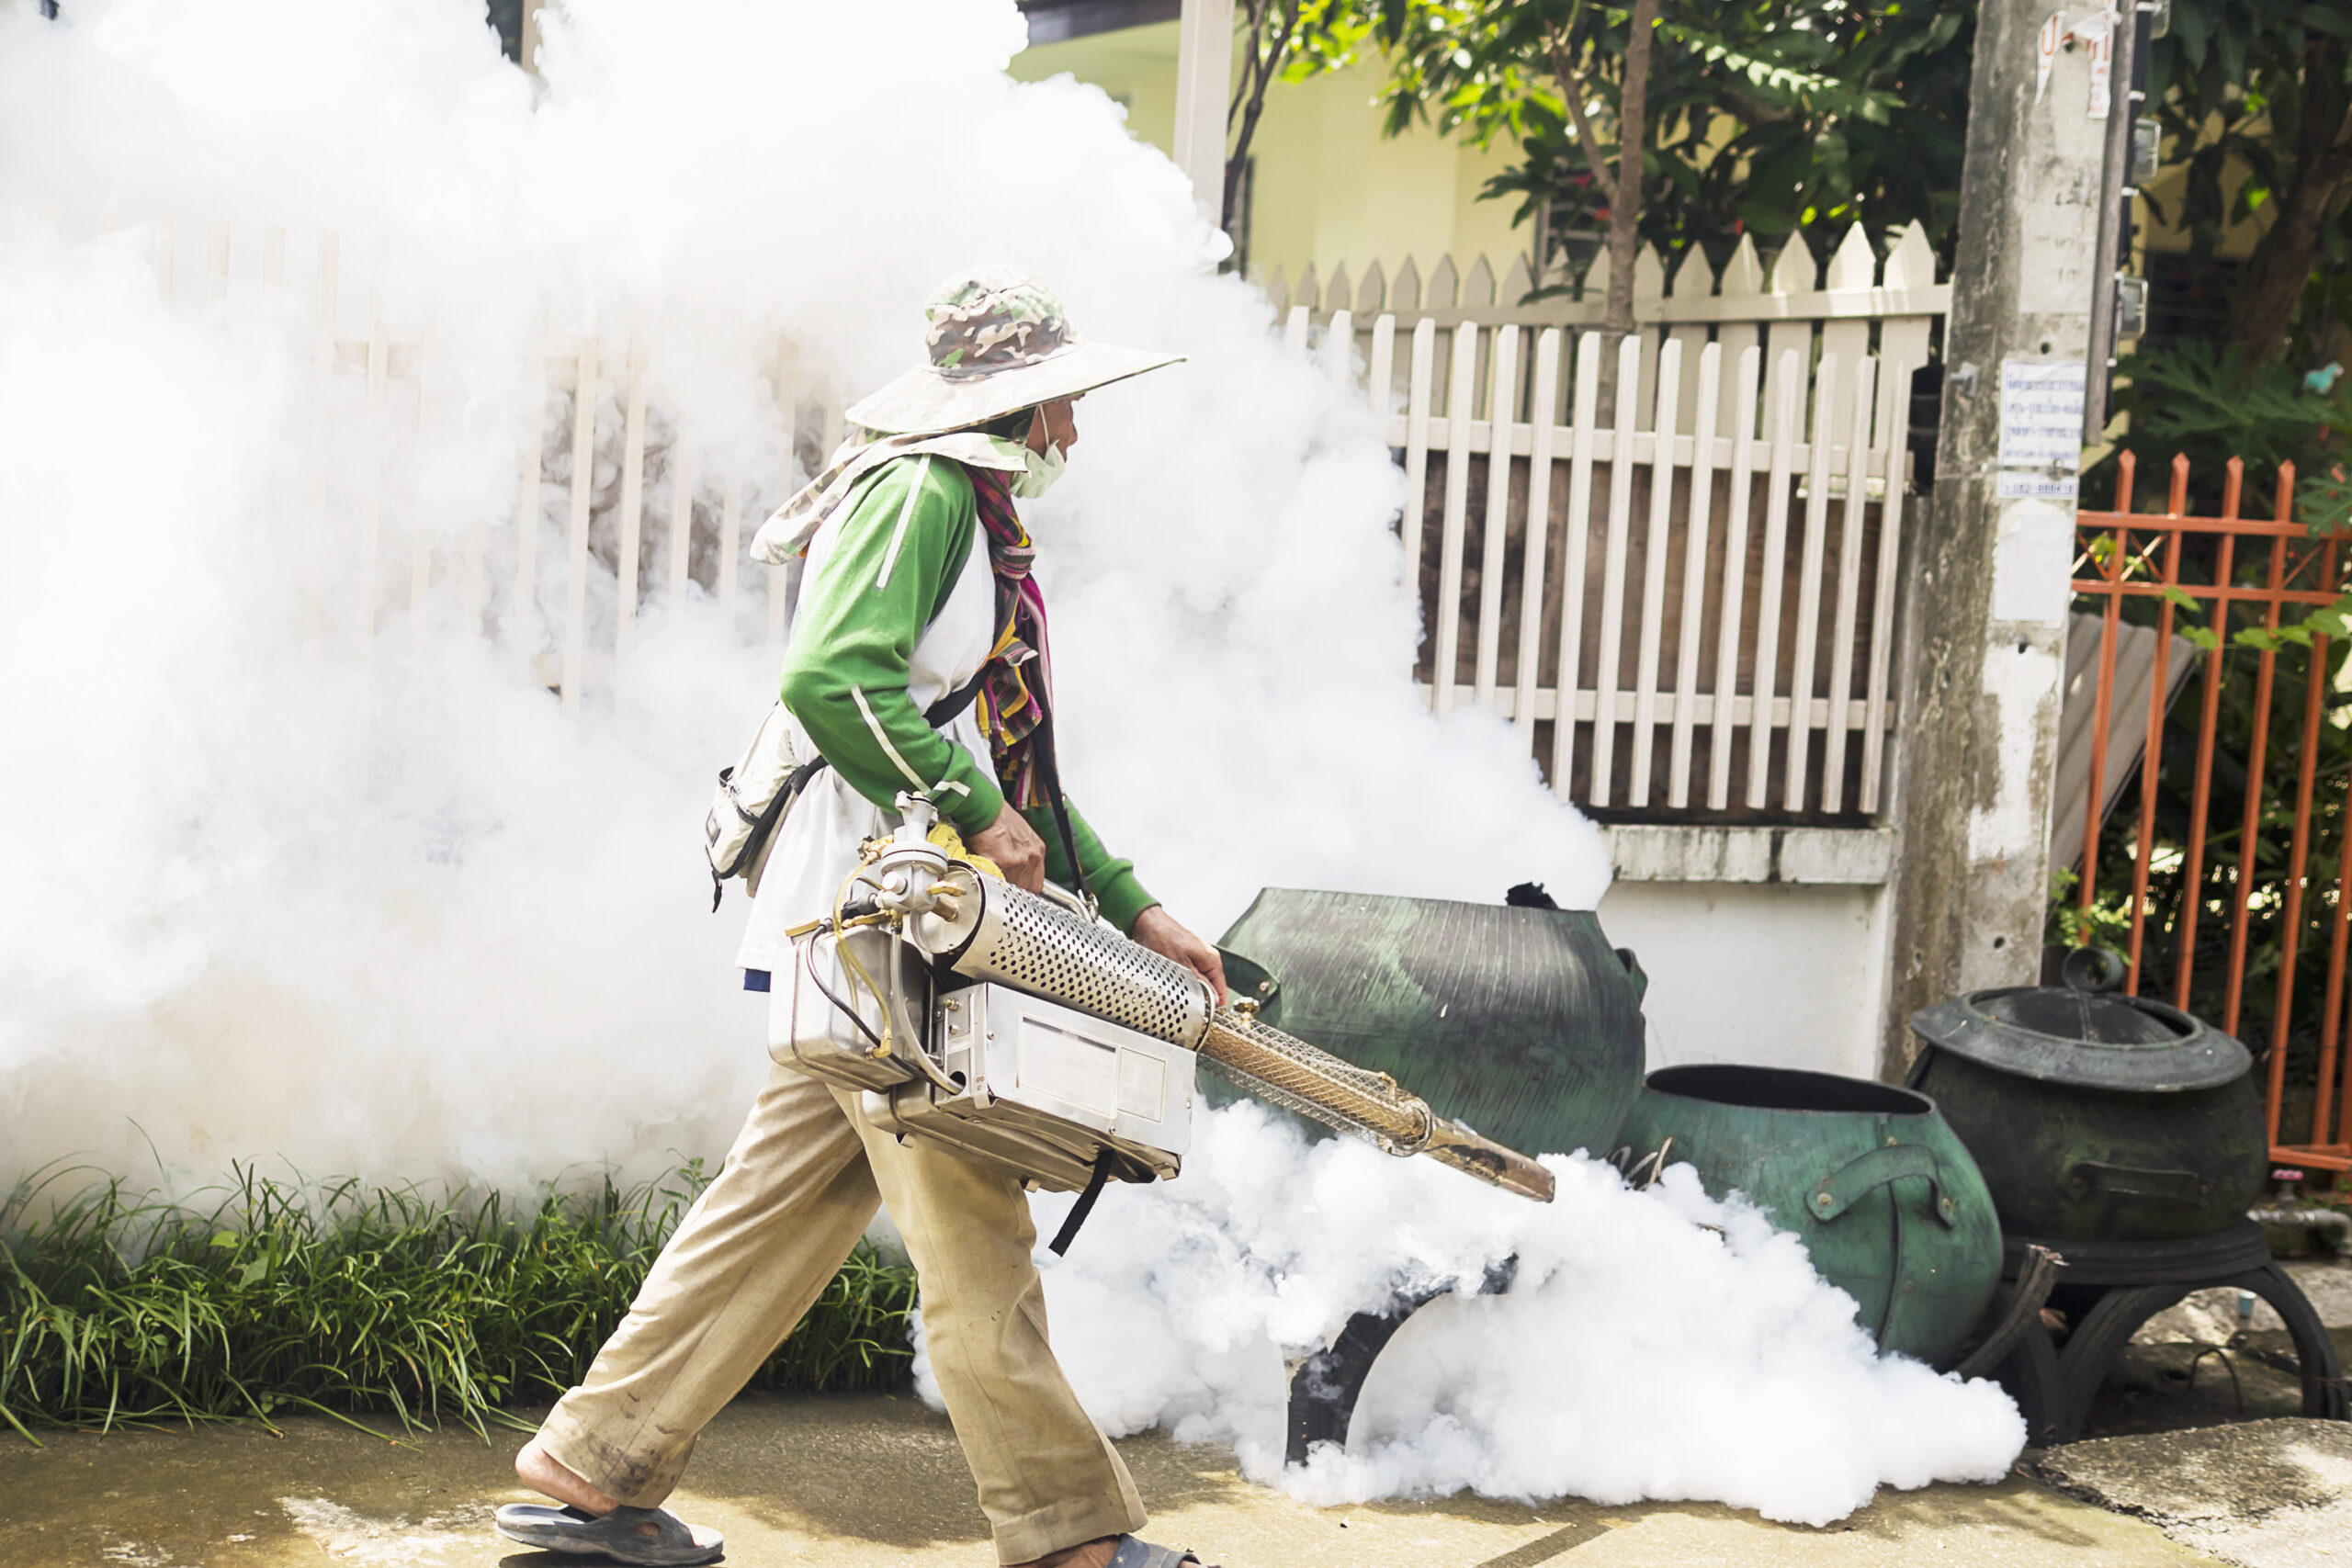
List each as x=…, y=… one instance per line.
x=2168, y=188
x=1331, y=189
x=1135, y=65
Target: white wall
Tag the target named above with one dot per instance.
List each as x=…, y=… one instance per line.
x=1771, y=973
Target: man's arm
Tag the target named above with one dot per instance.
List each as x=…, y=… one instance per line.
x=893, y=565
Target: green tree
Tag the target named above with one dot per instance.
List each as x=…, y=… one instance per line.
x=1286, y=41
x=1762, y=117
x=2263, y=89
x=1756, y=117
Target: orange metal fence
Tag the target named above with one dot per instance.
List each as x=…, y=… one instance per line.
x=2215, y=907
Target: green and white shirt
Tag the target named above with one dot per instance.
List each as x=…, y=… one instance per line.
x=897, y=607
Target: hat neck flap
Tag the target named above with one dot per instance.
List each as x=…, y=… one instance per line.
x=789, y=528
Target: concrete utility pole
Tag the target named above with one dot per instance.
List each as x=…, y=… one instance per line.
x=1204, y=87
x=1984, y=594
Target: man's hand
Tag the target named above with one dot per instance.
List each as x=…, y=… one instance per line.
x=1157, y=930
x=1016, y=849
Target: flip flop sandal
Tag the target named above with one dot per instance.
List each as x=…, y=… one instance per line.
x=653, y=1536
x=1135, y=1553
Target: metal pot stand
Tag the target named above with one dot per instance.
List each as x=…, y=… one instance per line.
x=1324, y=1386
x=2010, y=1345
x=2028, y=1371
x=2125, y=1137
x=2110, y=1289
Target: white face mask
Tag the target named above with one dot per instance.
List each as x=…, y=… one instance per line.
x=1038, y=469
x=1038, y=472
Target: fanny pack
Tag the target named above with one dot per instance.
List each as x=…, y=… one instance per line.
x=755, y=795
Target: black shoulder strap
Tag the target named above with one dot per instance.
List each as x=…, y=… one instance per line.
x=953, y=704
x=1085, y=1204
x=1049, y=772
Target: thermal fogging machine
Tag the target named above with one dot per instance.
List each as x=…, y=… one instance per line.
x=1018, y=1029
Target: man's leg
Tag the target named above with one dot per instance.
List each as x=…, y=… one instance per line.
x=1048, y=1480
x=750, y=1255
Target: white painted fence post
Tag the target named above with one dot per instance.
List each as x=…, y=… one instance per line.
x=1503, y=388
x=1539, y=528
x=631, y=521
x=1461, y=390
x=1654, y=554
x=1606, y=671
x=1694, y=578
x=584, y=474
x=524, y=614
x=1581, y=450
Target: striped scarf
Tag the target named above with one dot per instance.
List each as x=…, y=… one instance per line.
x=1012, y=700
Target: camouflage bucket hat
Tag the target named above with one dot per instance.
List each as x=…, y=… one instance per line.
x=998, y=342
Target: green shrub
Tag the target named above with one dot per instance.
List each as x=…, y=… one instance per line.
x=118, y=1309
x=2210, y=405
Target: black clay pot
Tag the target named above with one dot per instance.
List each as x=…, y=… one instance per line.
x=2093, y=1116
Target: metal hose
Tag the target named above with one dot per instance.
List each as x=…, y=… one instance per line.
x=1291, y=1073
x=1333, y=1091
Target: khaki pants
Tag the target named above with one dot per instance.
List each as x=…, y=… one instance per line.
x=799, y=1189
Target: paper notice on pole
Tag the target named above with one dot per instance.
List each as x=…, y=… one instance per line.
x=2042, y=428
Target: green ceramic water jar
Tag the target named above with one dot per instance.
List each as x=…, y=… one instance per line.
x=1883, y=1193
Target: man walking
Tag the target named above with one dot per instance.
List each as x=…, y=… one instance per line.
x=917, y=582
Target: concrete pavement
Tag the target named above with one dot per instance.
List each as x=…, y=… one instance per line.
x=2264, y=1494
x=877, y=1482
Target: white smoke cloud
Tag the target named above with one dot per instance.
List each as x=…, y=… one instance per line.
x=1634, y=1355
x=266, y=894
x=395, y=914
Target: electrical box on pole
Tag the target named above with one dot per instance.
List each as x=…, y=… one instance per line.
x=2120, y=300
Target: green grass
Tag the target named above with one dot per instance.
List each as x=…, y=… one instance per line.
x=120, y=1310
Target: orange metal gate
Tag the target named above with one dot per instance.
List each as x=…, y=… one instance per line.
x=2242, y=920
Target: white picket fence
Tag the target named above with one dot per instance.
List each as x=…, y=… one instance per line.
x=370, y=394
x=1738, y=639
x=1707, y=595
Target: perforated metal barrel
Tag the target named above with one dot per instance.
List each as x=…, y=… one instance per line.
x=1007, y=934
x=1522, y=1023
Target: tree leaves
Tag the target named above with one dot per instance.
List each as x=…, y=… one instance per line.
x=2227, y=85
x=1764, y=115
x=2324, y=501
x=1779, y=80
x=1769, y=115
x=2212, y=405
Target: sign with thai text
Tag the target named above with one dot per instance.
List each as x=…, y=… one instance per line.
x=2042, y=428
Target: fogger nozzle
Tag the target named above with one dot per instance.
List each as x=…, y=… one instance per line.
x=1287, y=1071
x=987, y=928
x=1452, y=1143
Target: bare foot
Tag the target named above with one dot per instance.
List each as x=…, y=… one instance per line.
x=1087, y=1554
x=540, y=1471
